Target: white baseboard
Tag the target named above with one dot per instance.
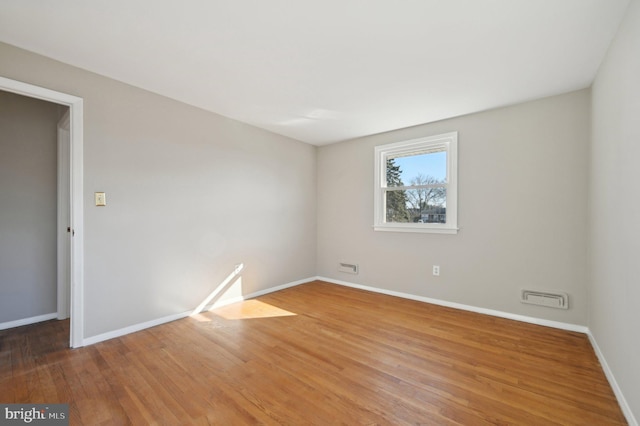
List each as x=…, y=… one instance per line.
x=492, y=312
x=237, y=299
x=278, y=288
x=27, y=321
x=624, y=405
x=132, y=328
x=148, y=324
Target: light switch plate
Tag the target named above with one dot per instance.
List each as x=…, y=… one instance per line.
x=101, y=199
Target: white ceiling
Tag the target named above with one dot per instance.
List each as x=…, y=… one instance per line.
x=327, y=70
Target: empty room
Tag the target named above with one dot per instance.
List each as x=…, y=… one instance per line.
x=337, y=212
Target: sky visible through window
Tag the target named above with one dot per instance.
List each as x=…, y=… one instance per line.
x=431, y=164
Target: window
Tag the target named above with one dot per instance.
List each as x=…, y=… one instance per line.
x=416, y=188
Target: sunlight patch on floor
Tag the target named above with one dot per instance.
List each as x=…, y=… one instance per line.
x=251, y=309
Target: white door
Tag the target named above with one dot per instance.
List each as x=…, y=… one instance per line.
x=64, y=217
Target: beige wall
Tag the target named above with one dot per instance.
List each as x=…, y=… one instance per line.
x=28, y=203
x=614, y=284
x=522, y=212
x=190, y=195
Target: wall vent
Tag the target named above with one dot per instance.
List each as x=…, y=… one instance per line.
x=543, y=298
x=349, y=268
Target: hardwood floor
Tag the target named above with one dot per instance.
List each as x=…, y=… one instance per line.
x=316, y=354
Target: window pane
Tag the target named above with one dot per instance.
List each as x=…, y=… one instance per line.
x=394, y=174
x=396, y=207
x=418, y=169
x=427, y=205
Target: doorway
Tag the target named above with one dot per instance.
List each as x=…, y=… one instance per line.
x=74, y=171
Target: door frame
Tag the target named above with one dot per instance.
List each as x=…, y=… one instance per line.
x=75, y=104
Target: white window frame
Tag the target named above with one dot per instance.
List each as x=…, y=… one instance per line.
x=447, y=142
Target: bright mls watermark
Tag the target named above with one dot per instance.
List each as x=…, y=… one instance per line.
x=37, y=414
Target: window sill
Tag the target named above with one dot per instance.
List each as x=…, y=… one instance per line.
x=415, y=229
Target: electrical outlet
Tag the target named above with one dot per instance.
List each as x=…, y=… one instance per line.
x=436, y=270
